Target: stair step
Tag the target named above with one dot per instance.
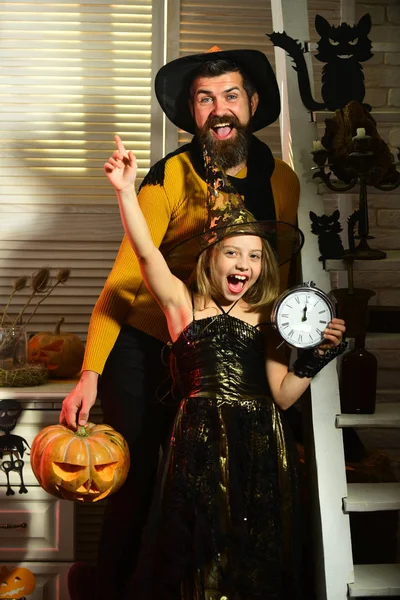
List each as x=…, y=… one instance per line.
x=387, y=396
x=371, y=497
x=388, y=378
x=375, y=581
x=386, y=348
x=383, y=340
x=385, y=415
x=384, y=318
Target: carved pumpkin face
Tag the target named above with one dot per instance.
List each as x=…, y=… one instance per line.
x=62, y=354
x=85, y=465
x=16, y=582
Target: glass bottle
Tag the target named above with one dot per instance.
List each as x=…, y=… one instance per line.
x=13, y=347
x=358, y=379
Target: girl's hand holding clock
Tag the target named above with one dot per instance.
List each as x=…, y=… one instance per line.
x=333, y=334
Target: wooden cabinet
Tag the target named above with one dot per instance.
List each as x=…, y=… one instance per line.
x=36, y=526
x=37, y=530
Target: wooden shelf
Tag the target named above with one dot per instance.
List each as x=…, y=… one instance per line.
x=52, y=390
x=385, y=415
x=375, y=580
x=371, y=497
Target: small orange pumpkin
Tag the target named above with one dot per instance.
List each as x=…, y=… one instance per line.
x=84, y=465
x=61, y=353
x=16, y=582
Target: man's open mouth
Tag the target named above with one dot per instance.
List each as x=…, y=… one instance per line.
x=222, y=130
x=236, y=283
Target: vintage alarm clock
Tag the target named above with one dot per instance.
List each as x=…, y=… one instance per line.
x=301, y=314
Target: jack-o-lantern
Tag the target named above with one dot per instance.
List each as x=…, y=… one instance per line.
x=84, y=465
x=16, y=582
x=60, y=352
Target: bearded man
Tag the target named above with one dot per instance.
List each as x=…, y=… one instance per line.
x=222, y=97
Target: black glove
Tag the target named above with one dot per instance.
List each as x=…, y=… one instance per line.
x=310, y=362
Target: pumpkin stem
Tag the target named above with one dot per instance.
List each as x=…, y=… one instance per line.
x=81, y=431
x=58, y=325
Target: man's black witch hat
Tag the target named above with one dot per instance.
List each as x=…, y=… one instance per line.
x=173, y=81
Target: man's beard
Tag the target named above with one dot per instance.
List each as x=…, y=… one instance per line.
x=227, y=153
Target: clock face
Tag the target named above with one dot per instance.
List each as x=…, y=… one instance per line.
x=301, y=317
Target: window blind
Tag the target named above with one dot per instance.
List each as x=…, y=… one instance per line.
x=72, y=75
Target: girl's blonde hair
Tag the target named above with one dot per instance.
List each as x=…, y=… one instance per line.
x=262, y=293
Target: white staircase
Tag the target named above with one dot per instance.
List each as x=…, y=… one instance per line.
x=386, y=415
x=375, y=581
x=333, y=500
x=378, y=429
x=369, y=497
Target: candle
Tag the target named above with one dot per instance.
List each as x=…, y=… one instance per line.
x=361, y=132
x=317, y=145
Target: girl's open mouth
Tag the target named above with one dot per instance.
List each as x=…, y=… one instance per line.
x=236, y=283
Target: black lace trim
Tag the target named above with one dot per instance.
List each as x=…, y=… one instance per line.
x=255, y=188
x=157, y=172
x=310, y=362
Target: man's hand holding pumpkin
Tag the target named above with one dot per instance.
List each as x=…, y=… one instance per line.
x=76, y=406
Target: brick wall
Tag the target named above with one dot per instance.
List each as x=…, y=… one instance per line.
x=382, y=81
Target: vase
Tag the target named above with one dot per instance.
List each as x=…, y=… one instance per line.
x=358, y=373
x=13, y=347
x=352, y=306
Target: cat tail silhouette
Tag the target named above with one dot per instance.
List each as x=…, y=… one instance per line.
x=296, y=53
x=352, y=221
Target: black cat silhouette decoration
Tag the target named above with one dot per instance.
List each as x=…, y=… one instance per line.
x=12, y=447
x=342, y=48
x=327, y=228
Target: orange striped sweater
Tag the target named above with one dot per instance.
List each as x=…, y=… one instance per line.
x=174, y=211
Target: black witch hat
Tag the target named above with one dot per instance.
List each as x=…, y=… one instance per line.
x=227, y=217
x=173, y=81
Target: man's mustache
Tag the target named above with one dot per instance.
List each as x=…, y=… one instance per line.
x=214, y=120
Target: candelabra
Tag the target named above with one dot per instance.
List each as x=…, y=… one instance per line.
x=363, y=165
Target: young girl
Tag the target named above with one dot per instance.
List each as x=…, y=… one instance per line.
x=225, y=521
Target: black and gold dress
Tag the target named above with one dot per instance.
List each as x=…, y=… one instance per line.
x=225, y=522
